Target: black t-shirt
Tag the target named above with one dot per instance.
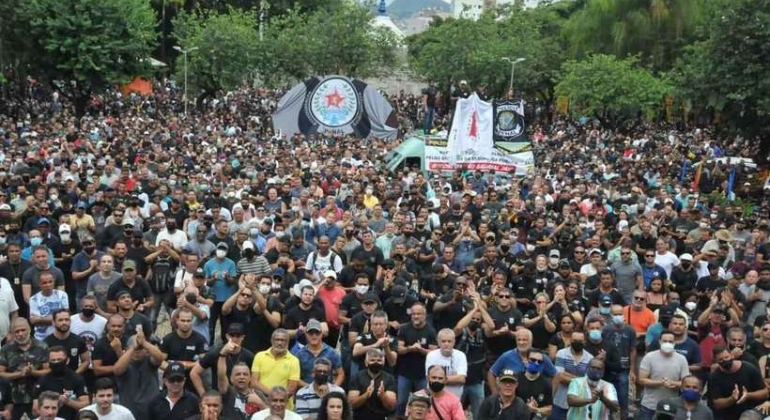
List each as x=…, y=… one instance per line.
x=183, y=349
x=105, y=353
x=450, y=316
x=298, y=316
x=258, y=329
x=540, y=336
x=490, y=409
x=367, y=339
x=593, y=298
x=360, y=323
x=140, y=292
x=412, y=364
x=347, y=277
x=683, y=280
x=475, y=348
x=70, y=381
x=373, y=409
x=721, y=385
x=210, y=359
x=138, y=255
x=512, y=317
x=187, y=406
x=351, y=304
x=134, y=321
x=539, y=389
x=372, y=258
x=73, y=344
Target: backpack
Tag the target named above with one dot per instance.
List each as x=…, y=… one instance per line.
x=162, y=276
x=332, y=260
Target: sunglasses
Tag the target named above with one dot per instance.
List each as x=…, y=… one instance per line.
x=538, y=361
x=176, y=380
x=639, y=298
x=246, y=294
x=625, y=253
x=650, y=256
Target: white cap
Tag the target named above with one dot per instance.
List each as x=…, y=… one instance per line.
x=248, y=245
x=64, y=228
x=330, y=273
x=685, y=257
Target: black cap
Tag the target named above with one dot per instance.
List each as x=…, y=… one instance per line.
x=138, y=234
x=199, y=273
x=236, y=328
x=370, y=297
x=398, y=293
x=174, y=370
x=388, y=263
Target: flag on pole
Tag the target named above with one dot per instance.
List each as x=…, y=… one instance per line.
x=696, y=179
x=730, y=184
x=683, y=172
x=471, y=133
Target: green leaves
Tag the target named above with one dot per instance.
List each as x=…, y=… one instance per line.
x=608, y=88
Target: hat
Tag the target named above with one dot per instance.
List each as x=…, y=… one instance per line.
x=199, y=273
x=313, y=325
x=43, y=221
x=301, y=285
x=724, y=235
x=248, y=245
x=223, y=246
x=64, y=228
x=685, y=257
x=508, y=375
x=398, y=294
x=667, y=408
x=564, y=263
x=370, y=297
x=122, y=293
x=87, y=238
x=279, y=272
x=666, y=311
x=5, y=206
x=554, y=254
x=128, y=222
x=174, y=370
x=236, y=328
x=79, y=205
x=129, y=265
x=718, y=308
x=388, y=263
x=490, y=235
x=330, y=273
x=418, y=398
x=594, y=251
x=605, y=300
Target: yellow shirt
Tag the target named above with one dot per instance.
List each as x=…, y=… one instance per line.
x=371, y=201
x=276, y=371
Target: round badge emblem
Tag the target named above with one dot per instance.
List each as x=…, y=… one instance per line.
x=334, y=103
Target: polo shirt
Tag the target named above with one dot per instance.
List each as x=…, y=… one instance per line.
x=309, y=403
x=307, y=360
x=511, y=359
x=276, y=371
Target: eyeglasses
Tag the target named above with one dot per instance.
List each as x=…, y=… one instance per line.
x=538, y=361
x=503, y=296
x=176, y=380
x=640, y=298
x=765, y=329
x=650, y=255
x=246, y=294
x=625, y=253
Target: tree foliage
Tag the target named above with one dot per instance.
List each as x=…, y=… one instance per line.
x=88, y=44
x=611, y=89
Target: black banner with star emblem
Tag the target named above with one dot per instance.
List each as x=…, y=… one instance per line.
x=509, y=123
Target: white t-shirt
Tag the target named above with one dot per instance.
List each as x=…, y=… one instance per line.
x=320, y=264
x=457, y=364
x=8, y=305
x=668, y=261
x=183, y=279
x=118, y=412
x=178, y=239
x=41, y=305
x=262, y=415
x=89, y=331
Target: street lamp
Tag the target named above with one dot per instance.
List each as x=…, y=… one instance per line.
x=184, y=52
x=513, y=66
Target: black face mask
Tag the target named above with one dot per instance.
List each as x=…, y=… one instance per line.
x=88, y=312
x=473, y=325
x=764, y=285
x=420, y=226
x=248, y=253
x=505, y=248
x=89, y=249
x=436, y=386
x=375, y=368
x=321, y=378
x=577, y=346
x=685, y=265
x=57, y=368
x=726, y=364
x=450, y=229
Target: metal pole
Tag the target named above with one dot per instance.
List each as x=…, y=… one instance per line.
x=185, y=82
x=513, y=64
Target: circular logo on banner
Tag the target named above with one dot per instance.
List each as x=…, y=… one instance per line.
x=334, y=103
x=510, y=123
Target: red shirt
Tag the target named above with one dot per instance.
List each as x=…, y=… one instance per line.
x=331, y=299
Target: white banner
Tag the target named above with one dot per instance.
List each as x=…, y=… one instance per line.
x=471, y=132
x=437, y=158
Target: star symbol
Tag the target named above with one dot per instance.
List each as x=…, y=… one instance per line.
x=334, y=99
x=474, y=128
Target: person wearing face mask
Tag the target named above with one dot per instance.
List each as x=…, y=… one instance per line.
x=533, y=388
x=372, y=392
x=251, y=263
x=619, y=341
x=688, y=405
x=64, y=253
x=591, y=397
x=735, y=386
x=221, y=277
x=660, y=375
x=22, y=363
x=684, y=276
x=444, y=404
x=309, y=396
x=571, y=362
x=177, y=237
x=62, y=378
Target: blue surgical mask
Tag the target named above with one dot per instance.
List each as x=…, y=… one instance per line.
x=618, y=319
x=533, y=367
x=690, y=395
x=595, y=335
x=594, y=374
x=604, y=310
x=36, y=241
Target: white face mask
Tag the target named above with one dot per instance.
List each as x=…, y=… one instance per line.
x=276, y=285
x=221, y=253
x=65, y=237
x=690, y=306
x=54, y=197
x=264, y=289
x=362, y=289
x=667, y=347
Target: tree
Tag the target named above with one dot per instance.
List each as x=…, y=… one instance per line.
x=223, y=49
x=87, y=45
x=611, y=89
x=655, y=30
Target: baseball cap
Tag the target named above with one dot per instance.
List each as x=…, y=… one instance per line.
x=554, y=254
x=605, y=300
x=138, y=234
x=199, y=273
x=5, y=207
x=369, y=298
x=64, y=228
x=43, y=221
x=174, y=370
x=595, y=251
x=223, y=246
x=508, y=375
x=127, y=222
x=564, y=263
x=279, y=272
x=129, y=265
x=330, y=273
x=313, y=325
x=236, y=328
x=685, y=257
x=398, y=293
x=417, y=398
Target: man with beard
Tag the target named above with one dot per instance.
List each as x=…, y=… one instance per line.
x=372, y=392
x=200, y=246
x=84, y=264
x=735, y=386
x=184, y=345
x=134, y=320
x=23, y=362
x=75, y=347
x=239, y=399
x=62, y=380
x=136, y=373
x=415, y=340
x=108, y=349
x=276, y=366
x=231, y=350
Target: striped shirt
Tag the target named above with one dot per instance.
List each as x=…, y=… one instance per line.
x=566, y=363
x=308, y=402
x=258, y=266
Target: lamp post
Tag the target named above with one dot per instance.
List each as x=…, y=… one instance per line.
x=513, y=66
x=184, y=52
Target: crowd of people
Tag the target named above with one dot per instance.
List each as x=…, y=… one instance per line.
x=155, y=266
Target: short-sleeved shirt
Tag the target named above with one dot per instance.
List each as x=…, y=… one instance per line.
x=373, y=409
x=32, y=277
x=307, y=360
x=721, y=385
x=210, y=359
x=221, y=288
x=676, y=405
x=69, y=381
x=276, y=371
x=456, y=364
x=12, y=358
x=412, y=364
x=73, y=344
x=512, y=360
x=512, y=318
x=309, y=403
x=185, y=407
x=89, y=331
x=659, y=366
x=579, y=387
x=448, y=406
x=99, y=287
x=566, y=363
x=140, y=291
x=42, y=306
x=183, y=349
x=138, y=385
x=490, y=409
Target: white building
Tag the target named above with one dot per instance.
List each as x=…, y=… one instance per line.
x=472, y=9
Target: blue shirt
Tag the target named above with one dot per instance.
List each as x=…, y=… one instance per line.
x=511, y=359
x=215, y=268
x=649, y=272
x=307, y=361
x=26, y=255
